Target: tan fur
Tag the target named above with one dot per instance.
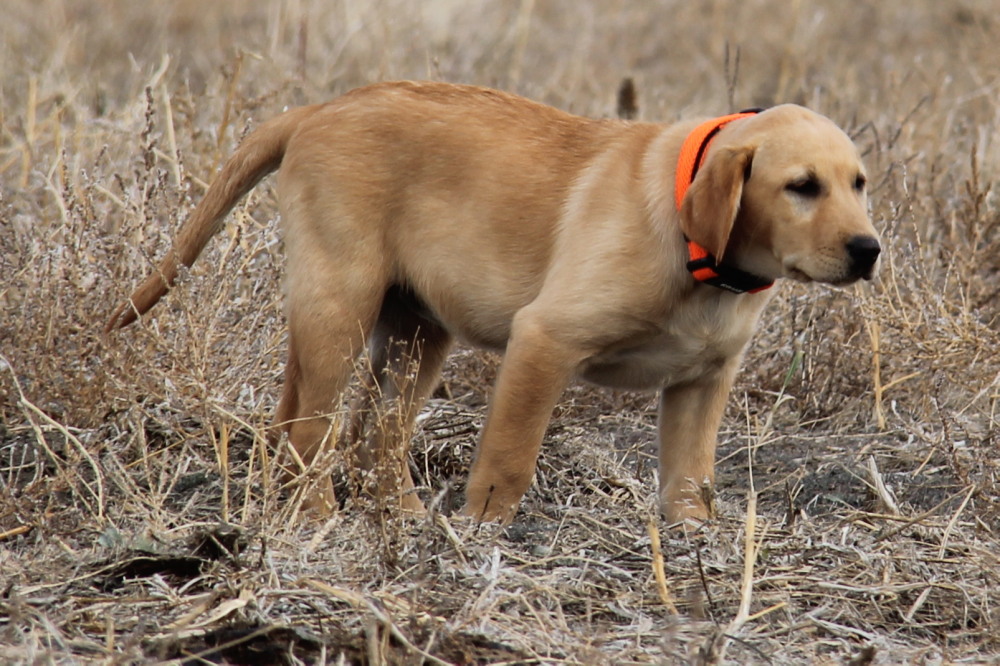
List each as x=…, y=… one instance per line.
x=424, y=212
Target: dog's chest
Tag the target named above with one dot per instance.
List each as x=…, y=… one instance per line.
x=694, y=341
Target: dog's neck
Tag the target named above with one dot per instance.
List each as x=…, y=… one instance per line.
x=701, y=264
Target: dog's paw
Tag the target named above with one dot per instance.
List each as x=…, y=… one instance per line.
x=488, y=511
x=690, y=505
x=411, y=504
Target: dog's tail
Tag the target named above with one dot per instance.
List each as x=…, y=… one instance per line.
x=258, y=155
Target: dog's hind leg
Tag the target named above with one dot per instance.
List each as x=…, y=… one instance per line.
x=407, y=349
x=329, y=319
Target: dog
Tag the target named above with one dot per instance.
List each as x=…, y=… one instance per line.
x=633, y=255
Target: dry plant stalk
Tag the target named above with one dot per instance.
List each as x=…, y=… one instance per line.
x=715, y=651
x=658, y=569
x=874, y=334
x=884, y=494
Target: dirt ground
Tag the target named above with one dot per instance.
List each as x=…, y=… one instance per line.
x=142, y=517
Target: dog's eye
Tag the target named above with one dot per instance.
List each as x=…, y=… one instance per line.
x=808, y=187
x=860, y=182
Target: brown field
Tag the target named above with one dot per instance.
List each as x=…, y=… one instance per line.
x=143, y=520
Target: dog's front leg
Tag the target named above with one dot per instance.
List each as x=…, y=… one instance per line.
x=689, y=420
x=534, y=372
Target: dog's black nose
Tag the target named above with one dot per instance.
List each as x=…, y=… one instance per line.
x=863, y=251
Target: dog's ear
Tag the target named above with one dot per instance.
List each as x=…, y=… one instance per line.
x=710, y=206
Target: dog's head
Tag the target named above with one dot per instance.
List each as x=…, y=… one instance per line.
x=783, y=194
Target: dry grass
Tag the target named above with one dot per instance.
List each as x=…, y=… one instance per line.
x=140, y=514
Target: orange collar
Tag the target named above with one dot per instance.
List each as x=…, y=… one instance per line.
x=701, y=264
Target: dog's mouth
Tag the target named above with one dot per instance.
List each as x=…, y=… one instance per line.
x=797, y=274
x=800, y=275
x=866, y=274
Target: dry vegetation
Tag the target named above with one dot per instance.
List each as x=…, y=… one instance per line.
x=141, y=518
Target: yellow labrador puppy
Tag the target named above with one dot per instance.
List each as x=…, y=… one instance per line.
x=633, y=255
